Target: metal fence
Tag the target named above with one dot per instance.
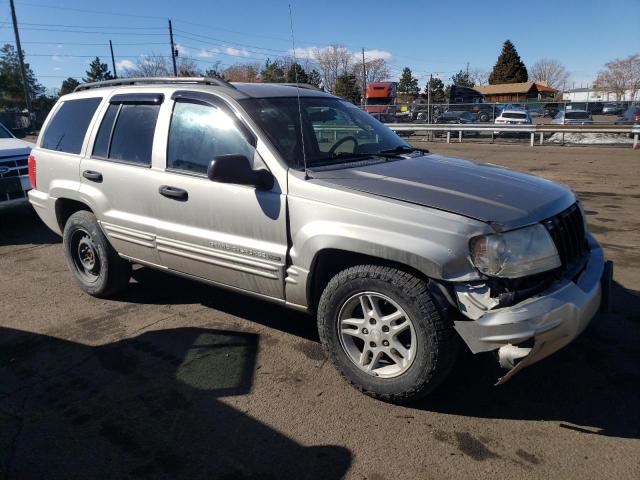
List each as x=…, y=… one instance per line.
x=540, y=111
x=532, y=131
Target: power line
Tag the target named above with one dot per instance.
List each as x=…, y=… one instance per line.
x=123, y=27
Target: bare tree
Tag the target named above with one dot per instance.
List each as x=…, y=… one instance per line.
x=242, y=72
x=152, y=65
x=550, y=71
x=188, y=67
x=377, y=69
x=620, y=76
x=333, y=61
x=479, y=76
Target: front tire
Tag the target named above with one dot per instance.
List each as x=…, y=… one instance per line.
x=383, y=331
x=96, y=266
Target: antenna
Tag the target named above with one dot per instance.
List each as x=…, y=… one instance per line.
x=295, y=70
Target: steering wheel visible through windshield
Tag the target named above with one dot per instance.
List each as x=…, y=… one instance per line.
x=332, y=130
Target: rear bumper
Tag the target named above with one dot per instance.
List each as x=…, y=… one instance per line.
x=552, y=319
x=45, y=207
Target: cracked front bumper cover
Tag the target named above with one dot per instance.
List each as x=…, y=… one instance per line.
x=552, y=318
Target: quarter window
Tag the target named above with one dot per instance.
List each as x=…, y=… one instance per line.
x=68, y=127
x=199, y=133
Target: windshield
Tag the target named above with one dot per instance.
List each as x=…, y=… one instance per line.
x=334, y=131
x=4, y=133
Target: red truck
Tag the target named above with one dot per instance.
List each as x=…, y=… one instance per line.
x=380, y=97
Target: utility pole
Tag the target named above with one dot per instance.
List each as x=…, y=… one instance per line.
x=23, y=72
x=113, y=61
x=467, y=69
x=364, y=79
x=173, y=50
x=429, y=98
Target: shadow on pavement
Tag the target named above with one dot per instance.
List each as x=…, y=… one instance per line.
x=145, y=407
x=21, y=226
x=591, y=386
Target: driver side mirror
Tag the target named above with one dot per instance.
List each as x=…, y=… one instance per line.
x=237, y=169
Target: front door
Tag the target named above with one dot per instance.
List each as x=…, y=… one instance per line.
x=230, y=234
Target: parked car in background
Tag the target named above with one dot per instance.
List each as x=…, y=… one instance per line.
x=630, y=117
x=573, y=117
x=514, y=117
x=14, y=178
x=612, y=109
x=457, y=117
x=551, y=109
x=397, y=252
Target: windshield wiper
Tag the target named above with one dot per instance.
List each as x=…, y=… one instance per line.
x=399, y=150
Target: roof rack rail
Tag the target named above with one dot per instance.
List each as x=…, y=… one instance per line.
x=154, y=81
x=306, y=86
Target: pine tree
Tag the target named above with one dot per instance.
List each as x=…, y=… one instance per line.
x=296, y=68
x=408, y=84
x=272, y=72
x=461, y=79
x=437, y=90
x=347, y=87
x=509, y=68
x=68, y=86
x=314, y=78
x=97, y=72
x=11, y=89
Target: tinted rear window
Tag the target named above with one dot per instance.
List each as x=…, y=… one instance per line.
x=576, y=115
x=519, y=116
x=68, y=127
x=131, y=140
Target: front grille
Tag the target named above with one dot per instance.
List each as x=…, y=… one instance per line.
x=568, y=232
x=10, y=183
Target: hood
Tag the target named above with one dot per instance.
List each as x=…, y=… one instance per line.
x=12, y=146
x=484, y=192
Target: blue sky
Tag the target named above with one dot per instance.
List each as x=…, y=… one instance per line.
x=437, y=37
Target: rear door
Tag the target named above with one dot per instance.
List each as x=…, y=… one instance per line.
x=117, y=178
x=230, y=234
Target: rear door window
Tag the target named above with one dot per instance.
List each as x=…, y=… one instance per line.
x=68, y=127
x=126, y=133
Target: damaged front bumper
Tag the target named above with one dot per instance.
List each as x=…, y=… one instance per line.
x=541, y=325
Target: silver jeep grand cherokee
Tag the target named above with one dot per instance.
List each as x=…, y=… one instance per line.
x=298, y=197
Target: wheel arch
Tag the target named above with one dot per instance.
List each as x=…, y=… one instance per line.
x=65, y=207
x=328, y=262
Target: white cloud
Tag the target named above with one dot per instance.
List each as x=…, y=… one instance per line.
x=375, y=54
x=309, y=52
x=56, y=69
x=236, y=52
x=125, y=65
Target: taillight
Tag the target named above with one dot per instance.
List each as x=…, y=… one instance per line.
x=32, y=171
x=636, y=118
x=498, y=120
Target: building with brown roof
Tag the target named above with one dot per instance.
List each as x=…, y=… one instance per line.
x=517, y=92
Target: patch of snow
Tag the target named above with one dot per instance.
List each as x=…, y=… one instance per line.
x=590, y=138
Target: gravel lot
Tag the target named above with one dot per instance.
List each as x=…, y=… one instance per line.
x=175, y=379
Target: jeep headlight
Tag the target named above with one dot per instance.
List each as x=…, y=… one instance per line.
x=515, y=254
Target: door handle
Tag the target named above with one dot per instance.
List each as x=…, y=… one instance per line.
x=174, y=193
x=93, y=176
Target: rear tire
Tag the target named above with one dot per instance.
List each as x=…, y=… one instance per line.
x=96, y=266
x=483, y=117
x=360, y=341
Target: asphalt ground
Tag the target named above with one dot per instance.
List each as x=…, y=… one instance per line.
x=175, y=379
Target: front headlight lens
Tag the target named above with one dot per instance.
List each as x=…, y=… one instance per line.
x=515, y=254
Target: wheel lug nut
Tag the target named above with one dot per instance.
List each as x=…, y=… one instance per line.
x=372, y=344
x=385, y=343
x=372, y=321
x=365, y=331
x=385, y=329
